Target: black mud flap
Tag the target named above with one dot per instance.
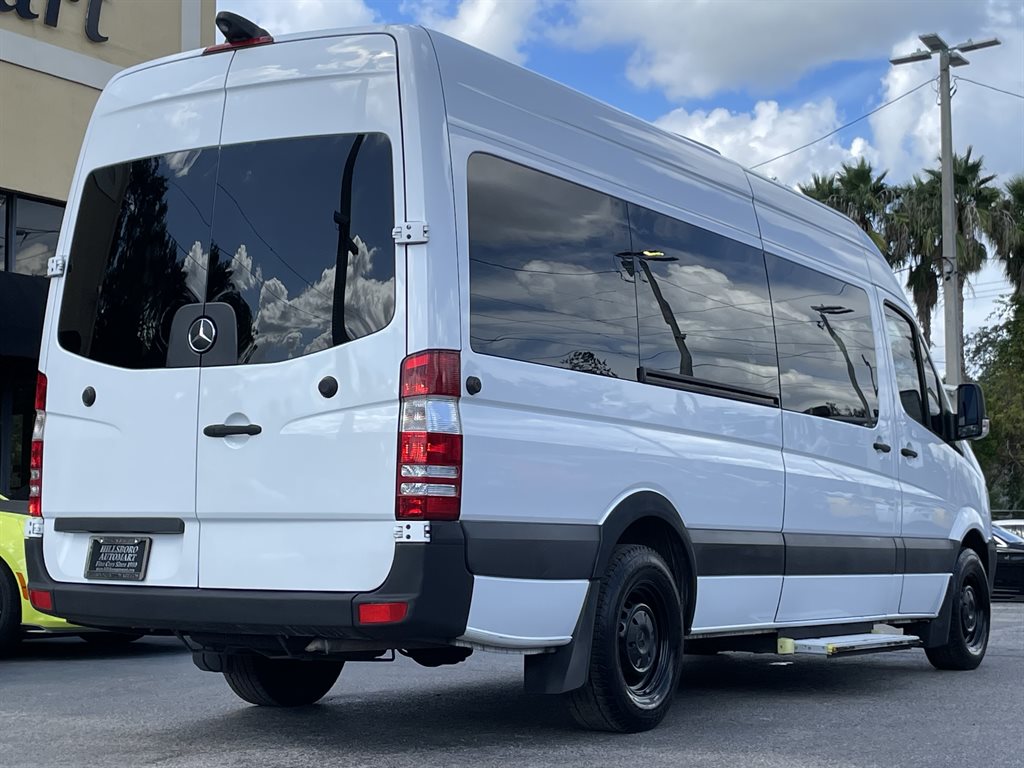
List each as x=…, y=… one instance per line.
x=566, y=669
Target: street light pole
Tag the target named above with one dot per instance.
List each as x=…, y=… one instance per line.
x=949, y=56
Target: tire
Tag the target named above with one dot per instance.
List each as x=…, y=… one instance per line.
x=269, y=682
x=110, y=639
x=10, y=612
x=636, y=653
x=971, y=617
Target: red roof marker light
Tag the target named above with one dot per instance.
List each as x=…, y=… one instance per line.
x=238, y=32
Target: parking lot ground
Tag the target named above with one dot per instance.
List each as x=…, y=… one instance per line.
x=63, y=703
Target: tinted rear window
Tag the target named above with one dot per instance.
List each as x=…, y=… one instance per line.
x=137, y=256
x=264, y=227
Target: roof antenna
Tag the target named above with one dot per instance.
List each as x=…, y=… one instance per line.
x=238, y=29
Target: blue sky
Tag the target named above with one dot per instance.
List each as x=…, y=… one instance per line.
x=753, y=78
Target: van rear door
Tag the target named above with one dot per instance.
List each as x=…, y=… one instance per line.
x=119, y=440
x=298, y=405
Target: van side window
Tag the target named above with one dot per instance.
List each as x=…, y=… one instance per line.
x=903, y=343
x=933, y=385
x=703, y=305
x=545, y=283
x=827, y=362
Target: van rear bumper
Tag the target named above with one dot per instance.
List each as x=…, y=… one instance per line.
x=432, y=578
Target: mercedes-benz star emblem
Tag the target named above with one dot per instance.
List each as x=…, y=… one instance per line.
x=201, y=335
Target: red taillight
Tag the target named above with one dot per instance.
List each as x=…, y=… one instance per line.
x=382, y=613
x=262, y=40
x=41, y=599
x=35, y=462
x=429, y=483
x=434, y=372
x=40, y=391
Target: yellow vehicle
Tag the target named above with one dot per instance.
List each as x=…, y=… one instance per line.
x=18, y=619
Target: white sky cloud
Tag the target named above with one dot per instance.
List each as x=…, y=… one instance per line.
x=497, y=26
x=768, y=131
x=695, y=48
x=281, y=17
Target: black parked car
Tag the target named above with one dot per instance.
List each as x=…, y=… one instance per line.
x=1009, y=564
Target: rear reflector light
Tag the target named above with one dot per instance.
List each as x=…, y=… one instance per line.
x=41, y=599
x=382, y=613
x=429, y=482
x=35, y=461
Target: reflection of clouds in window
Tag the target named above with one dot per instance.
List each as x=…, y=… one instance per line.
x=545, y=285
x=243, y=276
x=718, y=301
x=181, y=162
x=826, y=344
x=31, y=259
x=195, y=267
x=302, y=324
x=556, y=214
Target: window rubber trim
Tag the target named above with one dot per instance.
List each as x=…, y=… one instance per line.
x=703, y=387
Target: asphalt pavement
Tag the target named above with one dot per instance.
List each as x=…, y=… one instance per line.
x=63, y=703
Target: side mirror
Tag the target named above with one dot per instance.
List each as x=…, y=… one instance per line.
x=971, y=420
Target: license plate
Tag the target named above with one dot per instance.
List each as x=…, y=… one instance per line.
x=117, y=558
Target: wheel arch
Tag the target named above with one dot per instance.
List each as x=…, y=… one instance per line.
x=973, y=539
x=642, y=517
x=647, y=517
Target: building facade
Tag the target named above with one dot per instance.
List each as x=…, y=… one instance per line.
x=55, y=57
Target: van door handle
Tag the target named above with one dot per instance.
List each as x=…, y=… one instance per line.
x=226, y=430
x=910, y=453
x=882, y=447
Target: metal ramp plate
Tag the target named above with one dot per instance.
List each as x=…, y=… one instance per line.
x=846, y=645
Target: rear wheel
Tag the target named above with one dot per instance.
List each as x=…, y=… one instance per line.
x=971, y=617
x=10, y=612
x=280, y=682
x=637, y=646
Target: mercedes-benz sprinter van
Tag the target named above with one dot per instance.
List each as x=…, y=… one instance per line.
x=366, y=341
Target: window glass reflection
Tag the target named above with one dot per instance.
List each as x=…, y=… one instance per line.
x=36, y=227
x=3, y=232
x=905, y=360
x=292, y=215
x=703, y=305
x=546, y=285
x=139, y=253
x=827, y=361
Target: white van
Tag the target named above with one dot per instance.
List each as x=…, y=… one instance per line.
x=366, y=341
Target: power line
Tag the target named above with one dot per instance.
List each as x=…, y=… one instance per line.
x=990, y=87
x=847, y=125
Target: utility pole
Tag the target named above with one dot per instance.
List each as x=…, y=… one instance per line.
x=949, y=56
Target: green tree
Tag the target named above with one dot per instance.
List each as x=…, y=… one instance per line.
x=865, y=198
x=995, y=356
x=857, y=192
x=821, y=188
x=914, y=229
x=1006, y=230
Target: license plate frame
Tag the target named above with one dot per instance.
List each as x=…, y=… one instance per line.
x=127, y=559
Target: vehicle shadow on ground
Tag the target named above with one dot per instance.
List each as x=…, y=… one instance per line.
x=76, y=649
x=497, y=712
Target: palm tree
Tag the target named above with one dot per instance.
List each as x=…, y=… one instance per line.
x=914, y=229
x=855, y=191
x=913, y=233
x=864, y=197
x=1007, y=234
x=821, y=188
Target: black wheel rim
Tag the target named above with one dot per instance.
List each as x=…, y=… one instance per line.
x=645, y=645
x=973, y=616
